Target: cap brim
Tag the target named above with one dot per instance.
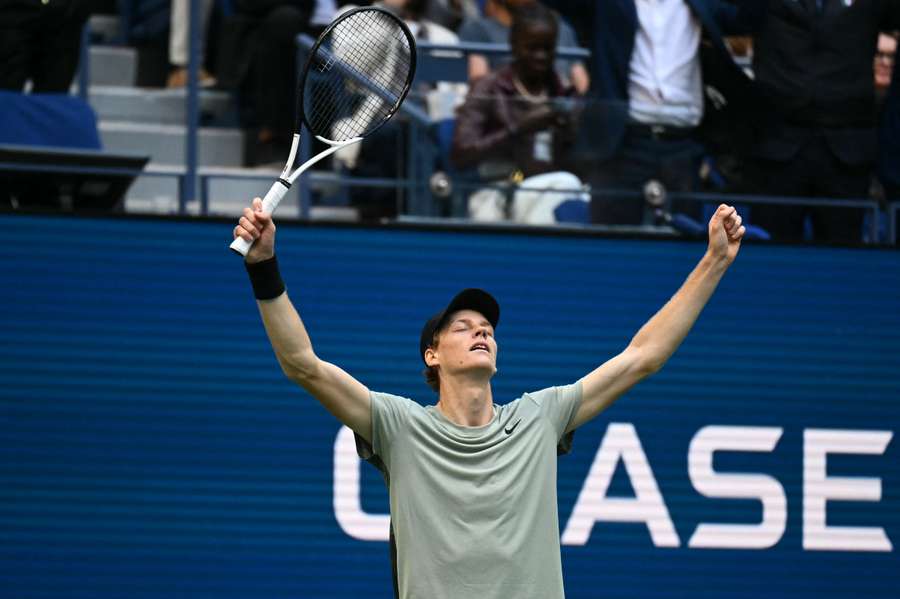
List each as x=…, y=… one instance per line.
x=478, y=300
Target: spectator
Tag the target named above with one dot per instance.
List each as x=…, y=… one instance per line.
x=493, y=28
x=885, y=57
x=439, y=99
x=813, y=63
x=451, y=13
x=40, y=42
x=442, y=98
x=179, y=42
x=381, y=154
x=516, y=125
x=889, y=125
x=650, y=70
x=270, y=83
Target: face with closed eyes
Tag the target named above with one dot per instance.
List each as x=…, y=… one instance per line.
x=466, y=345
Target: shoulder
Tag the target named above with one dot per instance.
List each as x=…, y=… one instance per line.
x=393, y=402
x=494, y=83
x=554, y=394
x=540, y=396
x=474, y=30
x=440, y=34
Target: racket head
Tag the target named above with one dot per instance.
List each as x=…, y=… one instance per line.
x=357, y=75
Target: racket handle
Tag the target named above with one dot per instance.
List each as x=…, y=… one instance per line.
x=269, y=204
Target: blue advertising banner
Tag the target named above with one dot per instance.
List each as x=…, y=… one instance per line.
x=151, y=446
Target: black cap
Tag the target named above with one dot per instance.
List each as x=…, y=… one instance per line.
x=468, y=299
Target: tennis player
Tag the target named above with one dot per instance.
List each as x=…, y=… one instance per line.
x=473, y=483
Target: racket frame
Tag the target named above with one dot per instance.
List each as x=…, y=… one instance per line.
x=280, y=187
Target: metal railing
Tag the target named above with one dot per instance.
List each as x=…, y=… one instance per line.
x=893, y=212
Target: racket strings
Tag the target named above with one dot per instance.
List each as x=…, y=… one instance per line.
x=358, y=76
x=368, y=55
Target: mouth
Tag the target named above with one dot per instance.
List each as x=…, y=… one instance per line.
x=480, y=347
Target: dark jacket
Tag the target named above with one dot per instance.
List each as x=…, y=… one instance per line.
x=814, y=76
x=889, y=135
x=486, y=124
x=615, y=26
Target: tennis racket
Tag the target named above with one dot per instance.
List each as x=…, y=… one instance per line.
x=357, y=75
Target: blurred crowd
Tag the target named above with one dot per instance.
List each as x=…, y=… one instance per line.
x=776, y=98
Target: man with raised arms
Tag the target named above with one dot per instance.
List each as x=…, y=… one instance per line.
x=472, y=483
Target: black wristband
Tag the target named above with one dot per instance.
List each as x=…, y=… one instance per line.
x=265, y=278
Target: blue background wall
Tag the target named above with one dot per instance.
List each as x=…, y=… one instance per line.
x=151, y=447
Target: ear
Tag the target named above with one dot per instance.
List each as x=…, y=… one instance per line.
x=431, y=357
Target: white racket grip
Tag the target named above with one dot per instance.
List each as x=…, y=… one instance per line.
x=269, y=204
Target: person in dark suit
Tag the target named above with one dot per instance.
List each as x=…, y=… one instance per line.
x=889, y=121
x=259, y=58
x=813, y=65
x=40, y=42
x=651, y=61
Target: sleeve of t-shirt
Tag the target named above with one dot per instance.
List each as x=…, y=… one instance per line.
x=390, y=414
x=558, y=405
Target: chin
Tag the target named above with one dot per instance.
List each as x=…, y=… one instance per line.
x=485, y=360
x=485, y=367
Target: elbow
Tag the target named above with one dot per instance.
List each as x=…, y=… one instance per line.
x=300, y=368
x=647, y=361
x=650, y=367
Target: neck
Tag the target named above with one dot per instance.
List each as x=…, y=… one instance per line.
x=534, y=86
x=466, y=402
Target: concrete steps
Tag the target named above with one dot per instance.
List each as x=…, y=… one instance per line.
x=112, y=65
x=151, y=122
x=160, y=106
x=227, y=196
x=105, y=29
x=165, y=144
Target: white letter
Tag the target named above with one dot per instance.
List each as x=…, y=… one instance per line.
x=620, y=441
x=768, y=490
x=347, y=507
x=819, y=488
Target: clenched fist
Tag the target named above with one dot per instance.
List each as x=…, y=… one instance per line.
x=725, y=233
x=257, y=227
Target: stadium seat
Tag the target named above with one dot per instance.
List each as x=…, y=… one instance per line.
x=54, y=120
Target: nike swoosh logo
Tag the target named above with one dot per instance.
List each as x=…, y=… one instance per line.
x=513, y=427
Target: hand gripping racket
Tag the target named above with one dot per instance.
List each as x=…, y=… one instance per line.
x=357, y=75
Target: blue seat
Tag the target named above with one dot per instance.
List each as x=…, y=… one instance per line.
x=51, y=120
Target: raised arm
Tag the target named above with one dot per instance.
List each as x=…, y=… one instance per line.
x=658, y=339
x=341, y=394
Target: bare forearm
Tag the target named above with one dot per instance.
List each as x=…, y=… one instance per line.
x=661, y=335
x=288, y=336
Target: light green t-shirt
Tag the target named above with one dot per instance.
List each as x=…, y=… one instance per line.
x=473, y=509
